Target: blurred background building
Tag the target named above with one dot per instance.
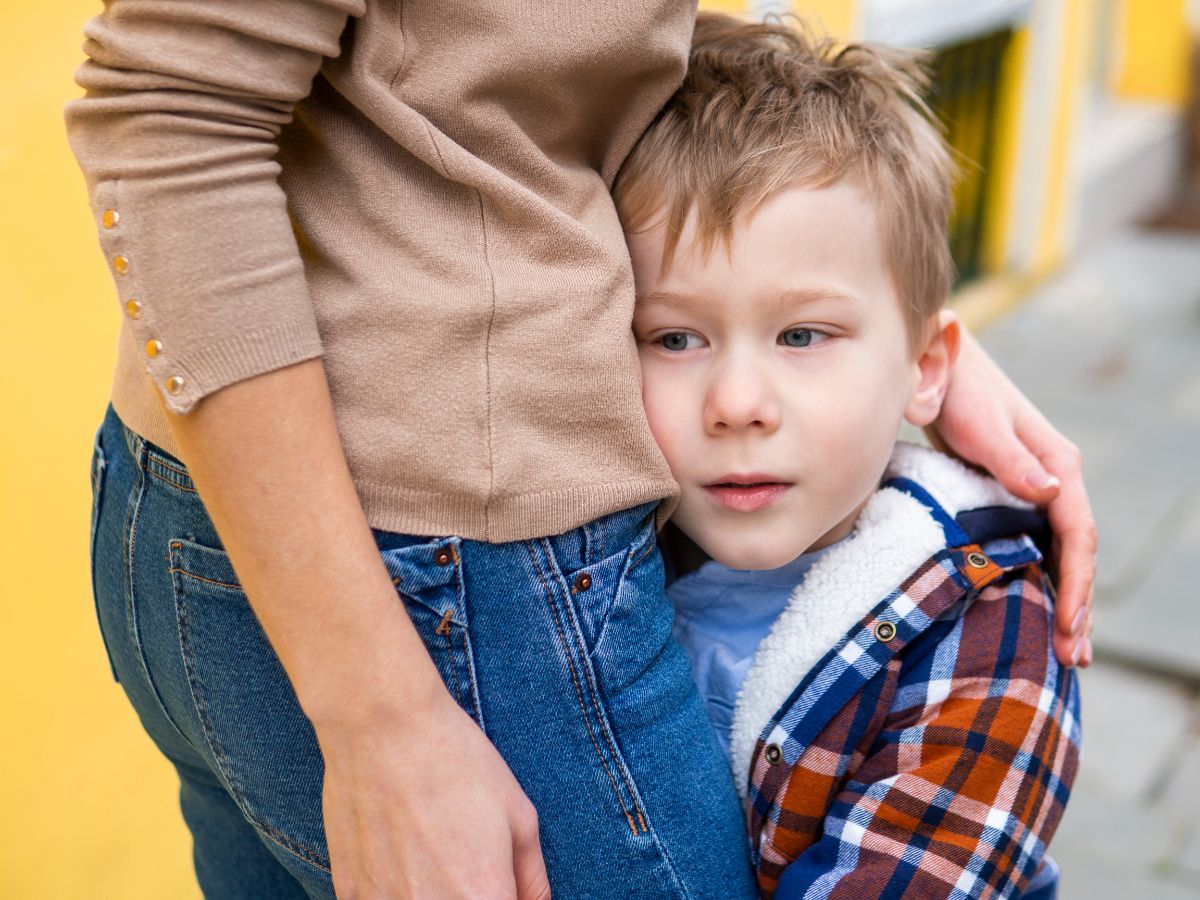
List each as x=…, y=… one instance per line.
x=1080, y=158
x=1066, y=114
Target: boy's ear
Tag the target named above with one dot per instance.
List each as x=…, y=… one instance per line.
x=932, y=369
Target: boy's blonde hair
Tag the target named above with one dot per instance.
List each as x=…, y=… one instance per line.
x=765, y=106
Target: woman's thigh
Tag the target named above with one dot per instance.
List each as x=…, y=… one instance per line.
x=590, y=700
x=582, y=689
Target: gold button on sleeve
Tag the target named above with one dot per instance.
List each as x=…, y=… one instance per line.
x=121, y=264
x=133, y=308
x=174, y=384
x=153, y=347
x=111, y=218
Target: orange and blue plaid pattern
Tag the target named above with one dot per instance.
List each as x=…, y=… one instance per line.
x=930, y=753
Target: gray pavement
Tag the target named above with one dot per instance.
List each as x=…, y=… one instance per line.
x=1110, y=351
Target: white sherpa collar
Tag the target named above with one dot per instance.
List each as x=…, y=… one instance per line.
x=893, y=536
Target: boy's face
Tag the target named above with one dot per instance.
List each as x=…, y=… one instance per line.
x=776, y=376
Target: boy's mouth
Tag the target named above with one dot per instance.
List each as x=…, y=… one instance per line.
x=747, y=493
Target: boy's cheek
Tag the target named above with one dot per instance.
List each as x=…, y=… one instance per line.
x=668, y=417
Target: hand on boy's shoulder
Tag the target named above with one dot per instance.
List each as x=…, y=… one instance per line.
x=987, y=421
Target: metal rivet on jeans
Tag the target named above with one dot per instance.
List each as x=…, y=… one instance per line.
x=442, y=557
x=583, y=581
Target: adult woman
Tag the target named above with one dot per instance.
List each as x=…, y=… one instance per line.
x=403, y=403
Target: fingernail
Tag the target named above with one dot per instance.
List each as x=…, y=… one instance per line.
x=1039, y=480
x=1087, y=655
x=1077, y=653
x=1078, y=622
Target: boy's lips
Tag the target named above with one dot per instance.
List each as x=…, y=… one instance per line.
x=747, y=493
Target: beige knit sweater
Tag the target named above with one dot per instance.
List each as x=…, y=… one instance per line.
x=417, y=192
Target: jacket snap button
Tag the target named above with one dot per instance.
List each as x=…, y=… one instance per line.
x=977, y=560
x=773, y=753
x=442, y=557
x=885, y=631
x=583, y=581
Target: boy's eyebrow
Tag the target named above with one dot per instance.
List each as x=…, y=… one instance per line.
x=800, y=296
x=784, y=300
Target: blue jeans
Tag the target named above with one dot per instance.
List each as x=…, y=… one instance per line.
x=577, y=682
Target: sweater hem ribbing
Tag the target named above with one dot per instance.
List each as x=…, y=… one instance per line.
x=407, y=511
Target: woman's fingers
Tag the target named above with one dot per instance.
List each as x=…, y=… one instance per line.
x=987, y=421
x=529, y=867
x=1076, y=538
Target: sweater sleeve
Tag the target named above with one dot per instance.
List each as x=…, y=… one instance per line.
x=176, y=136
x=966, y=782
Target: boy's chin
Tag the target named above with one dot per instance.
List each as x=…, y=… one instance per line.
x=754, y=555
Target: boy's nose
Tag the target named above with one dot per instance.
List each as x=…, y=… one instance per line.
x=741, y=397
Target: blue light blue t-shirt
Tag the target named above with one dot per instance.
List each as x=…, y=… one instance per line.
x=721, y=616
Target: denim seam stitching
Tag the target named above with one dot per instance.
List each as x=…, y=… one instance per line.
x=453, y=663
x=474, y=692
x=232, y=782
x=473, y=676
x=634, y=796
x=649, y=549
x=159, y=461
x=190, y=574
x=578, y=690
x=98, y=484
x=173, y=483
x=129, y=540
x=594, y=692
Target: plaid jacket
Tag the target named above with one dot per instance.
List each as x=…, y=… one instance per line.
x=904, y=730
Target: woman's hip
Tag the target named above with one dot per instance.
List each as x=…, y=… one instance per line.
x=560, y=648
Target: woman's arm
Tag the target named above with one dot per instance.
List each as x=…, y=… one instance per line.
x=987, y=421
x=176, y=136
x=266, y=458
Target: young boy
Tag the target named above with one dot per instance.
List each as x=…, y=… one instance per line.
x=872, y=631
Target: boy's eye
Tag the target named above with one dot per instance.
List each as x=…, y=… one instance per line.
x=680, y=340
x=801, y=337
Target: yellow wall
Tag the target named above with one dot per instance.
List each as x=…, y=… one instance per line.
x=89, y=805
x=1002, y=178
x=1151, y=47
x=1072, y=63
x=737, y=7
x=835, y=16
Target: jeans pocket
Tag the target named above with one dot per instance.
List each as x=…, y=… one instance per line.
x=259, y=738
x=434, y=597
x=595, y=609
x=636, y=631
x=97, y=478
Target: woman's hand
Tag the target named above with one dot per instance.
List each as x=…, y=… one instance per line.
x=987, y=421
x=424, y=806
